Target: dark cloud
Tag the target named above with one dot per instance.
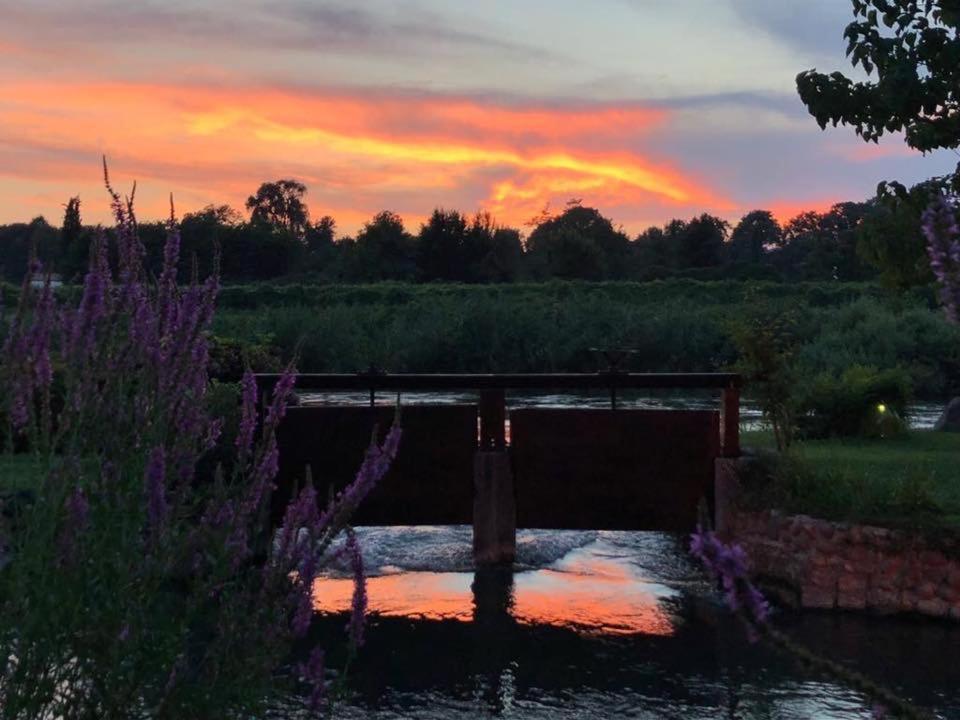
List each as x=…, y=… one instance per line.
x=295, y=25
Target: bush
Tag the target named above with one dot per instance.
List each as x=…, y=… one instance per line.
x=766, y=343
x=134, y=586
x=230, y=357
x=862, y=402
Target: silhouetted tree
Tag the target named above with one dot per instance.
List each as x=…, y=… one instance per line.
x=383, y=250
x=889, y=237
x=652, y=254
x=823, y=246
x=319, y=241
x=754, y=234
x=280, y=205
x=579, y=243
x=440, y=246
x=701, y=242
x=74, y=243
x=203, y=233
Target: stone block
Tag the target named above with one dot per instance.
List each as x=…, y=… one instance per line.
x=814, y=596
x=852, y=584
x=822, y=577
x=853, y=600
x=934, y=607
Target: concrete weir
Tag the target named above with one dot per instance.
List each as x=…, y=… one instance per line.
x=498, y=469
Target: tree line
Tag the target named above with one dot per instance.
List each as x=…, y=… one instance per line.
x=878, y=238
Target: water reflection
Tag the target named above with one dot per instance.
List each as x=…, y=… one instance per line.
x=599, y=625
x=581, y=592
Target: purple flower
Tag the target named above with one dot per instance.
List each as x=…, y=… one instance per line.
x=729, y=566
x=939, y=226
x=281, y=397
x=77, y=519
x=313, y=672
x=248, y=415
x=155, y=488
x=358, y=606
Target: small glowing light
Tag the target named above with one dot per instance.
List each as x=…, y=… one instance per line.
x=881, y=408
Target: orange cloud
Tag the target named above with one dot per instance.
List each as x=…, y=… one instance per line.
x=359, y=152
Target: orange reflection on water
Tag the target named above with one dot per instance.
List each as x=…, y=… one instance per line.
x=423, y=595
x=607, y=604
x=608, y=599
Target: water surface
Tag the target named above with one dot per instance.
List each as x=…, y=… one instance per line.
x=599, y=625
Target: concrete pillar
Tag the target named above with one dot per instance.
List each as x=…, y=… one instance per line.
x=494, y=508
x=726, y=491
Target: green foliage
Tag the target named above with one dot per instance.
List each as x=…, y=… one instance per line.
x=890, y=239
x=229, y=358
x=766, y=342
x=674, y=325
x=915, y=58
x=823, y=245
x=861, y=402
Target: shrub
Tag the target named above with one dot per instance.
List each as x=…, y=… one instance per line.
x=766, y=343
x=132, y=586
x=862, y=402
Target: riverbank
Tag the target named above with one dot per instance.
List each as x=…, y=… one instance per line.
x=910, y=482
x=853, y=525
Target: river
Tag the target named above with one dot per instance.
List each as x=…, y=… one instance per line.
x=920, y=415
x=600, y=625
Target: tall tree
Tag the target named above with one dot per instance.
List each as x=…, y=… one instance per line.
x=890, y=239
x=319, y=239
x=383, y=250
x=701, y=242
x=440, y=246
x=823, y=246
x=913, y=65
x=280, y=205
x=652, y=252
x=579, y=243
x=756, y=232
x=74, y=243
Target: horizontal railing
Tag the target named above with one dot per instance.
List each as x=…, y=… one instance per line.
x=492, y=388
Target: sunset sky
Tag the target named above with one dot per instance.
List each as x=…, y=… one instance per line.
x=646, y=109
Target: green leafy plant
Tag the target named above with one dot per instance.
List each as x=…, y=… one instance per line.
x=138, y=581
x=861, y=402
x=766, y=345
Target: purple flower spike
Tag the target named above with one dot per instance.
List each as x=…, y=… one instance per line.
x=939, y=225
x=358, y=606
x=248, y=415
x=155, y=487
x=729, y=566
x=313, y=672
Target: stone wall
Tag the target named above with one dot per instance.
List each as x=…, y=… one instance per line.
x=825, y=564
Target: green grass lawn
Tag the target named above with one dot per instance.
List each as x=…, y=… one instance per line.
x=913, y=480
